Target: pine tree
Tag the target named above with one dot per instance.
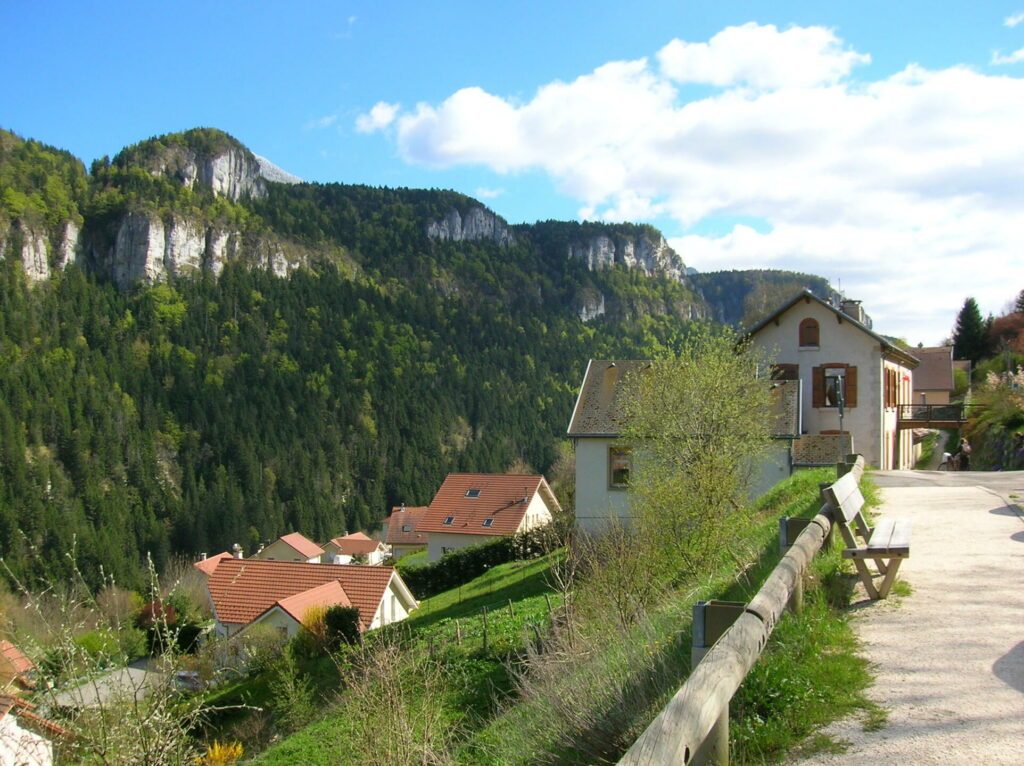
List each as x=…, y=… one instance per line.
x=1018, y=305
x=970, y=338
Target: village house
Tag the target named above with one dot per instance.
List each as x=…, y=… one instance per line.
x=856, y=379
x=472, y=508
x=342, y=550
x=401, y=531
x=243, y=592
x=291, y=547
x=933, y=380
x=604, y=463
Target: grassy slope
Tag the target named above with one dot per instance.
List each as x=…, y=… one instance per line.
x=809, y=674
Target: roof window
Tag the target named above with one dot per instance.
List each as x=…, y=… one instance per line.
x=472, y=493
x=448, y=520
x=488, y=522
x=407, y=527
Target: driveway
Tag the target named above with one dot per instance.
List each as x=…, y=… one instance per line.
x=948, y=658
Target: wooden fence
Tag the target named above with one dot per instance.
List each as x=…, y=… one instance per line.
x=728, y=639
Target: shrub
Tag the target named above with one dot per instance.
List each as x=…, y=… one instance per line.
x=342, y=626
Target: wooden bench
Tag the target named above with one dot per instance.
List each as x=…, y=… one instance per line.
x=886, y=545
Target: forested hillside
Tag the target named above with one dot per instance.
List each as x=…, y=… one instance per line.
x=200, y=399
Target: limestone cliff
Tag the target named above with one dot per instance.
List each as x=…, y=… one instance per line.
x=478, y=223
x=40, y=255
x=648, y=252
x=148, y=248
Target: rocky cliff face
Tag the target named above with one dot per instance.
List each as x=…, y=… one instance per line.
x=233, y=173
x=39, y=255
x=477, y=224
x=649, y=253
x=149, y=249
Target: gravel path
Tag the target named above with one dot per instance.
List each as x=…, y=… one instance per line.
x=949, y=658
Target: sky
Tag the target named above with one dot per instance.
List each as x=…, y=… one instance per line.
x=877, y=144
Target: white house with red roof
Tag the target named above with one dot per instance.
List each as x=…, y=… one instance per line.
x=25, y=737
x=279, y=593
x=342, y=550
x=292, y=547
x=401, y=530
x=473, y=508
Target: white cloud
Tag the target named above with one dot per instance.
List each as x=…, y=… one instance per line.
x=1014, y=19
x=319, y=123
x=761, y=57
x=379, y=117
x=484, y=192
x=1014, y=58
x=909, y=188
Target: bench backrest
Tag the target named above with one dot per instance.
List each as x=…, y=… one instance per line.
x=845, y=497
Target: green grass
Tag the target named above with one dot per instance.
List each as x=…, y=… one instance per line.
x=417, y=559
x=809, y=675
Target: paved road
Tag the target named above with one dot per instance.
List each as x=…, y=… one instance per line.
x=949, y=658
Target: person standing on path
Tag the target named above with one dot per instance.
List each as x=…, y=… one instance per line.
x=963, y=455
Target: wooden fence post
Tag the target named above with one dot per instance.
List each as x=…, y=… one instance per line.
x=710, y=621
x=485, y=628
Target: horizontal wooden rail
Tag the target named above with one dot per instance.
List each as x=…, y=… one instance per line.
x=679, y=730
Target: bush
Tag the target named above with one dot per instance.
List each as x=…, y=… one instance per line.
x=342, y=626
x=461, y=566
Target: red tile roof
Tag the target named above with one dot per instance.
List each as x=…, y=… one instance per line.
x=243, y=589
x=399, y=520
x=355, y=543
x=207, y=565
x=14, y=657
x=23, y=710
x=302, y=545
x=329, y=594
x=501, y=497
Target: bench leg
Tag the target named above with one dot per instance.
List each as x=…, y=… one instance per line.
x=890, y=577
x=865, y=577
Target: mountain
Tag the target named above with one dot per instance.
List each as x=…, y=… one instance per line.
x=193, y=354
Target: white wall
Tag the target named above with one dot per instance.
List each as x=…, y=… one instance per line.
x=391, y=608
x=20, y=747
x=596, y=502
x=774, y=466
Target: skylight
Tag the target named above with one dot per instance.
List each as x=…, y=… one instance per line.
x=472, y=493
x=448, y=520
x=488, y=522
x=407, y=527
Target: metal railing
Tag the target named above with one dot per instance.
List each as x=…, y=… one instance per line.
x=934, y=413
x=728, y=638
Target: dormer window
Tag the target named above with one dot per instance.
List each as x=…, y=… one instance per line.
x=448, y=520
x=488, y=522
x=810, y=336
x=472, y=493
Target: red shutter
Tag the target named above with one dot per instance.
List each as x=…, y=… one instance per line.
x=851, y=386
x=818, y=387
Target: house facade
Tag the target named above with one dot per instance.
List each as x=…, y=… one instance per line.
x=473, y=508
x=401, y=531
x=933, y=380
x=244, y=592
x=342, y=550
x=291, y=547
x=603, y=463
x=855, y=378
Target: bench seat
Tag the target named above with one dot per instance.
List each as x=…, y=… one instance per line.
x=889, y=540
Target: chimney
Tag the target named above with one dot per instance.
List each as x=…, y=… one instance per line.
x=401, y=508
x=854, y=310
x=236, y=551
x=202, y=556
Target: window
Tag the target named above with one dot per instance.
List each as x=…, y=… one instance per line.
x=472, y=493
x=488, y=522
x=407, y=527
x=448, y=520
x=831, y=380
x=619, y=462
x=809, y=335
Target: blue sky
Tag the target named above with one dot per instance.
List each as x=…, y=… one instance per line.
x=876, y=144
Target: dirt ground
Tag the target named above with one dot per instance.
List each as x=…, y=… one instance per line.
x=949, y=657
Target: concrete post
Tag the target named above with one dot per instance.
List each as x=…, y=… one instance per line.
x=789, y=530
x=711, y=619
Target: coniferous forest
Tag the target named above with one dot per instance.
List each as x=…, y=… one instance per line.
x=189, y=414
